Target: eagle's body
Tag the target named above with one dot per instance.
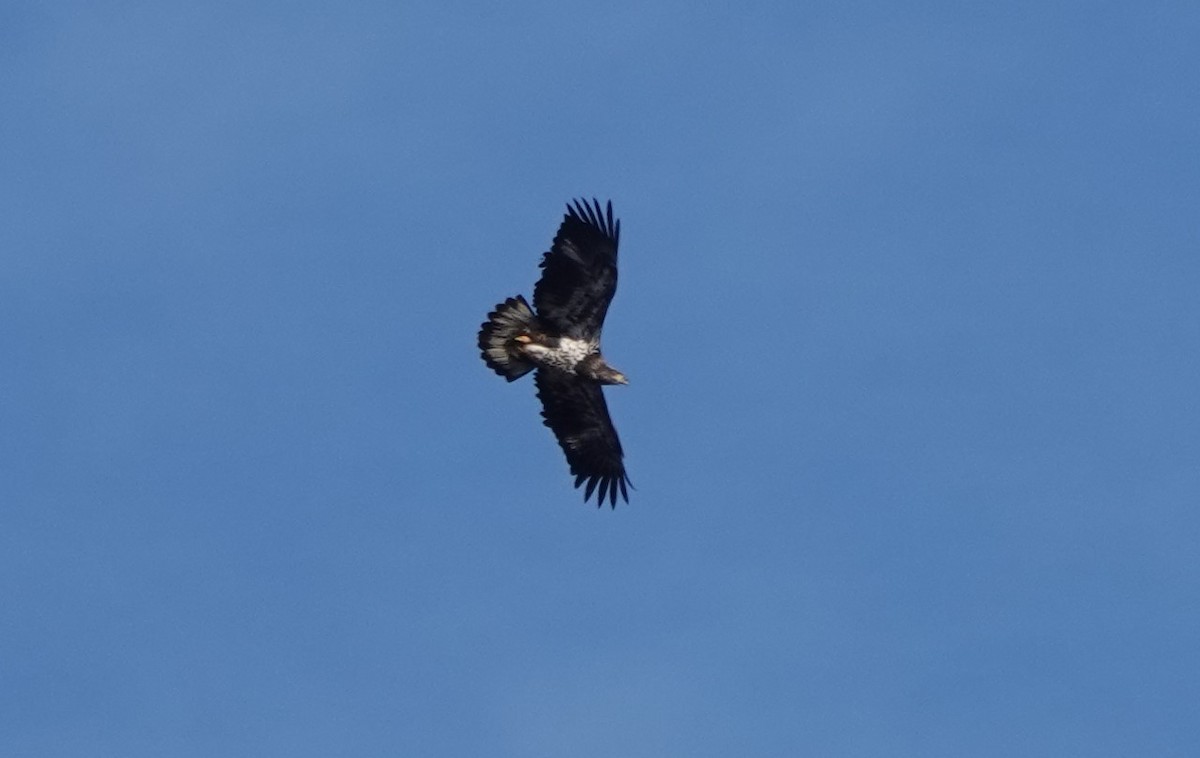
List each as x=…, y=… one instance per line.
x=562, y=343
x=559, y=353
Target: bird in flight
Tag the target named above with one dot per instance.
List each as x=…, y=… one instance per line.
x=560, y=338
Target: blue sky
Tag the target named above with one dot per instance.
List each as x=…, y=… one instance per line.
x=908, y=305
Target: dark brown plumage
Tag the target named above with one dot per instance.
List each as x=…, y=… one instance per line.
x=562, y=342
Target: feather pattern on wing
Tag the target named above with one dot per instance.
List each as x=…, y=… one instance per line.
x=579, y=273
x=575, y=411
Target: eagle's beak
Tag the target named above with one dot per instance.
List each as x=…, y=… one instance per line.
x=620, y=379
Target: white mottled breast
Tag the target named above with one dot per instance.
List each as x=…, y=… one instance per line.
x=565, y=357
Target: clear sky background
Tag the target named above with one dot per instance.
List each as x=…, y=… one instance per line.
x=909, y=306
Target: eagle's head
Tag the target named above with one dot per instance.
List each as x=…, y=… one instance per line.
x=594, y=367
x=614, y=377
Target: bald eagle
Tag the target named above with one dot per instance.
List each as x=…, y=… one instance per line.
x=562, y=342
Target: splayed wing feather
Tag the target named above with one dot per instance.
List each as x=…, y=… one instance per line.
x=575, y=411
x=579, y=273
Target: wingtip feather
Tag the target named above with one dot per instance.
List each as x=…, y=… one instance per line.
x=597, y=215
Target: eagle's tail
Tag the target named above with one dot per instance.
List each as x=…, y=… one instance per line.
x=510, y=319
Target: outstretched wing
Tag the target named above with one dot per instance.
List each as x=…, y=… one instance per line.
x=579, y=274
x=575, y=411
